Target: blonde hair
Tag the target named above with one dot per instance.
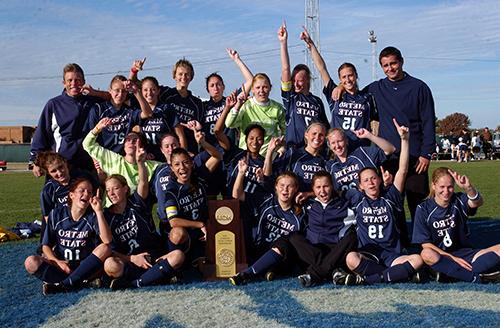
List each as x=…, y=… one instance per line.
x=261, y=76
x=183, y=63
x=436, y=175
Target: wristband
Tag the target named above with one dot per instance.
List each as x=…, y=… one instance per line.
x=134, y=70
x=95, y=131
x=476, y=196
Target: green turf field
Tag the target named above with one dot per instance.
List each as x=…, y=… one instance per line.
x=19, y=191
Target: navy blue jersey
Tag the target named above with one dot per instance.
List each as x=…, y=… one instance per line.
x=376, y=218
x=212, y=112
x=71, y=240
x=410, y=102
x=186, y=201
x=328, y=223
x=122, y=122
x=186, y=108
x=53, y=195
x=345, y=175
x=352, y=112
x=162, y=176
x=61, y=125
x=274, y=222
x=300, y=112
x=133, y=231
x=251, y=186
x=444, y=227
x=301, y=163
x=162, y=121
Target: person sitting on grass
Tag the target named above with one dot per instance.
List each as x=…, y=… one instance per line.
x=139, y=259
x=441, y=229
x=379, y=257
x=277, y=217
x=75, y=244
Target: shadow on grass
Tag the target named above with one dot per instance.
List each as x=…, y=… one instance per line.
x=23, y=305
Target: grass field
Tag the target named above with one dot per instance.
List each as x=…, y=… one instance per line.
x=19, y=191
x=280, y=303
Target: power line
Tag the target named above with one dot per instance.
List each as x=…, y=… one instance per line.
x=248, y=57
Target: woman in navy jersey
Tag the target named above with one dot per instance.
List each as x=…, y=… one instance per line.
x=139, y=257
x=441, y=229
x=346, y=164
x=329, y=235
x=301, y=107
x=215, y=105
x=277, y=216
x=355, y=109
x=72, y=248
x=55, y=191
x=303, y=161
x=162, y=120
x=379, y=257
x=206, y=161
x=185, y=204
x=122, y=117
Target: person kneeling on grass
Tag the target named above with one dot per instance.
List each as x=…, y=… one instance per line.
x=377, y=231
x=441, y=228
x=72, y=254
x=138, y=259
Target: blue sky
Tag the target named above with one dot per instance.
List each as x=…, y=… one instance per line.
x=454, y=46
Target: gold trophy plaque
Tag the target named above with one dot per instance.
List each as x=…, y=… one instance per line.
x=225, y=251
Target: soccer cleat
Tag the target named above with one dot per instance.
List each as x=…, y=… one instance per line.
x=120, y=283
x=49, y=288
x=94, y=283
x=416, y=278
x=270, y=276
x=490, y=278
x=339, y=277
x=306, y=280
x=354, y=279
x=240, y=278
x=442, y=278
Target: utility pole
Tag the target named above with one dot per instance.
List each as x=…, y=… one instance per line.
x=312, y=26
x=373, y=40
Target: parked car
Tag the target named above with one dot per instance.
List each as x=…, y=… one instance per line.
x=3, y=165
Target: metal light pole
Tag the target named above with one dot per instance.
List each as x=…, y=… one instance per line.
x=312, y=26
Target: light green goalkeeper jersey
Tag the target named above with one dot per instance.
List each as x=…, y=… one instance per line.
x=270, y=116
x=113, y=163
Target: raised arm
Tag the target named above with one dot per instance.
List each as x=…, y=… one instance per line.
x=286, y=75
x=238, y=191
x=404, y=157
x=316, y=57
x=475, y=198
x=146, y=111
x=383, y=144
x=268, y=161
x=143, y=184
x=104, y=230
x=245, y=71
x=233, y=119
x=215, y=156
x=136, y=67
x=220, y=124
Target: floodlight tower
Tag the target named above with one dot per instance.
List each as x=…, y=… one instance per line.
x=373, y=40
x=312, y=26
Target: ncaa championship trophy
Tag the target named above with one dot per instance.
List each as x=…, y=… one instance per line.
x=225, y=248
